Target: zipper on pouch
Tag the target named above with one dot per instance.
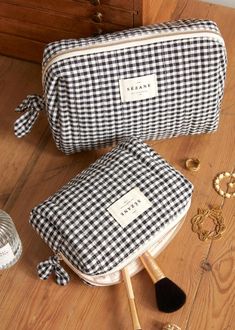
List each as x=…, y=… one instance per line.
x=129, y=42
x=172, y=231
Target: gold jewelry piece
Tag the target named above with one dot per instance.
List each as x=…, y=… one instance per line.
x=219, y=178
x=214, y=214
x=192, y=164
x=171, y=326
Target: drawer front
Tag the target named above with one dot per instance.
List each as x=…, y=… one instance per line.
x=61, y=5
x=72, y=9
x=21, y=48
x=26, y=26
x=48, y=34
x=126, y=4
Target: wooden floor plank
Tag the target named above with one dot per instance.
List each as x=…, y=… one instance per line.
x=52, y=170
x=36, y=169
x=17, y=79
x=213, y=304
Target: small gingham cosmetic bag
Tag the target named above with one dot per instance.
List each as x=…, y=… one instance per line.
x=128, y=202
x=154, y=82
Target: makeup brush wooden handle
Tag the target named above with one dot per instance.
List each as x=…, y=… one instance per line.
x=131, y=299
x=152, y=268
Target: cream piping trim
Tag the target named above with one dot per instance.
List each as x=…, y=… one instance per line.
x=131, y=42
x=173, y=226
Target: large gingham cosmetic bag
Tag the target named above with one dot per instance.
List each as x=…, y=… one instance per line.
x=154, y=82
x=127, y=202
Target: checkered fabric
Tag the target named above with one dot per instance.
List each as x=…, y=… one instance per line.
x=175, y=26
x=31, y=107
x=75, y=220
x=47, y=267
x=82, y=93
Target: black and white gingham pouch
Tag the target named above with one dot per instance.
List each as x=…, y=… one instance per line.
x=127, y=202
x=154, y=82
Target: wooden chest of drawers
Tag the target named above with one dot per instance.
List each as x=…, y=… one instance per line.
x=26, y=26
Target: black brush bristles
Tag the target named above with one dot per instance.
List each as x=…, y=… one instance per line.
x=169, y=296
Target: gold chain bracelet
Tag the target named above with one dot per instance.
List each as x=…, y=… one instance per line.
x=215, y=214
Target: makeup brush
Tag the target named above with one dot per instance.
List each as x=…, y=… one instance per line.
x=131, y=298
x=169, y=296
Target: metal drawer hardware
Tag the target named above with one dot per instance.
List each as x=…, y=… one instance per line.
x=98, y=32
x=97, y=17
x=95, y=2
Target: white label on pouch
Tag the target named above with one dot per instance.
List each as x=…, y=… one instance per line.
x=139, y=88
x=6, y=254
x=129, y=207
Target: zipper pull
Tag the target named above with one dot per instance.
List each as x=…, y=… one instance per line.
x=31, y=106
x=52, y=265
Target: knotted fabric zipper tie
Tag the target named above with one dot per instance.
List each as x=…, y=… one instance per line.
x=52, y=265
x=31, y=106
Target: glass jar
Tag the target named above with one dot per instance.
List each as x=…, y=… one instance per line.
x=10, y=244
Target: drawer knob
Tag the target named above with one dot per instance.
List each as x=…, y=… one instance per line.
x=97, y=17
x=98, y=32
x=95, y=2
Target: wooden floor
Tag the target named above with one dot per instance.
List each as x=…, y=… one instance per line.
x=32, y=169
